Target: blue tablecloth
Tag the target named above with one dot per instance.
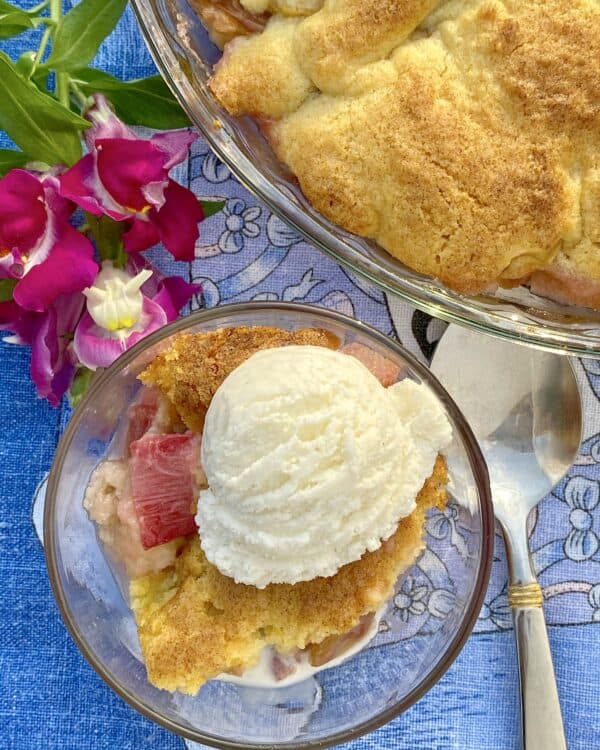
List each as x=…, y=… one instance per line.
x=50, y=698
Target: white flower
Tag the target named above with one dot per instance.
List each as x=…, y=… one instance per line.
x=115, y=300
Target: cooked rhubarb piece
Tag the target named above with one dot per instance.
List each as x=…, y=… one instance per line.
x=163, y=469
x=386, y=371
x=335, y=645
x=140, y=418
x=282, y=666
x=227, y=19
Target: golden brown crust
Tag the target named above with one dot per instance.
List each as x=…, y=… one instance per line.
x=461, y=208
x=548, y=61
x=348, y=34
x=195, y=623
x=262, y=75
x=189, y=372
x=463, y=148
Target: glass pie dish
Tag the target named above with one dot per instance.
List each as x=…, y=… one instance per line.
x=185, y=56
x=422, y=629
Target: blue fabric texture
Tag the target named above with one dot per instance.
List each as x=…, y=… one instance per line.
x=51, y=698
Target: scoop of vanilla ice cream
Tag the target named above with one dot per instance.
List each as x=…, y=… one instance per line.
x=310, y=463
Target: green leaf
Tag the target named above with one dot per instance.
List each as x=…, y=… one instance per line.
x=40, y=78
x=6, y=289
x=13, y=20
x=211, y=207
x=80, y=384
x=145, y=101
x=12, y=24
x=81, y=31
x=36, y=122
x=9, y=159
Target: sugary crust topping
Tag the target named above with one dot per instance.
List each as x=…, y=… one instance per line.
x=462, y=136
x=191, y=369
x=463, y=207
x=262, y=74
x=347, y=35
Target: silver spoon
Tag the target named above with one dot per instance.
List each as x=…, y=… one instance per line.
x=525, y=410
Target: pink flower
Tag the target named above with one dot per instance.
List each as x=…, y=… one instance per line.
x=49, y=333
x=38, y=247
x=126, y=178
x=123, y=306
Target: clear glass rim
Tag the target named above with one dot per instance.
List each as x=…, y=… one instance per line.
x=491, y=315
x=476, y=462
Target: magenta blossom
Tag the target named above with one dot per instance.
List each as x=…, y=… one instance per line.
x=123, y=306
x=49, y=333
x=127, y=178
x=39, y=249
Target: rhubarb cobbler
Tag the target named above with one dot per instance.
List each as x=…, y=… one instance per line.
x=271, y=488
x=461, y=135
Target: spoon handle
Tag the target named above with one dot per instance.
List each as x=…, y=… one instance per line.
x=542, y=720
x=542, y=724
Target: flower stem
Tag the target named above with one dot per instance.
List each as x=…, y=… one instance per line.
x=79, y=95
x=41, y=49
x=55, y=9
x=61, y=88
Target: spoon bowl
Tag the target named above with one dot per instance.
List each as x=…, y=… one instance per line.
x=524, y=407
x=528, y=423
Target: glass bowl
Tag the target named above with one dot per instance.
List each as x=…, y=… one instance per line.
x=422, y=631
x=185, y=55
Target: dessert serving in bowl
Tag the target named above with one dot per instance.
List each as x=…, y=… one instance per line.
x=257, y=512
x=447, y=150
